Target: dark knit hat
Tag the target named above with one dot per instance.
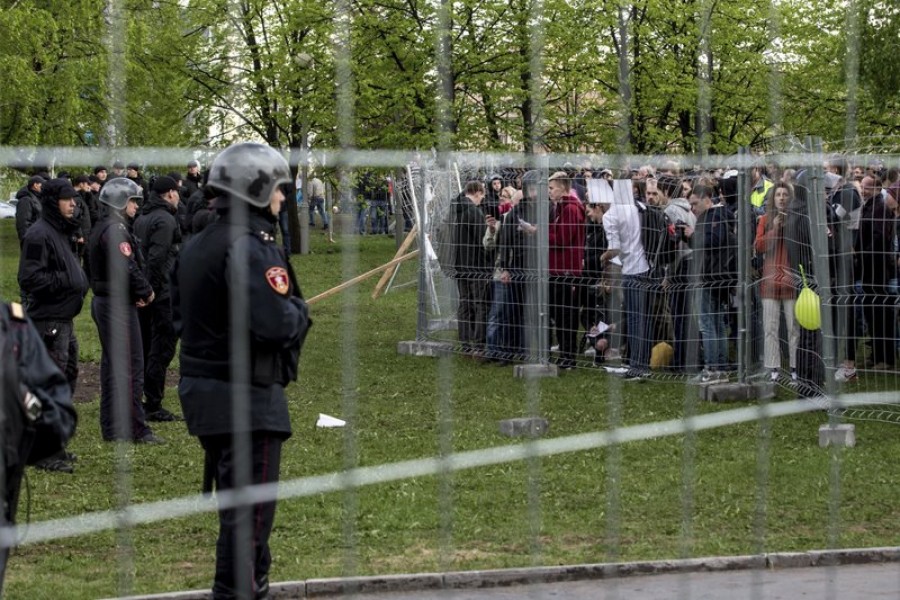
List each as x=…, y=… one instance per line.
x=57, y=189
x=175, y=175
x=81, y=179
x=134, y=165
x=118, y=165
x=36, y=179
x=164, y=184
x=99, y=168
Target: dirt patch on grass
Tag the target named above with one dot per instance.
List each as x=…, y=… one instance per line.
x=88, y=387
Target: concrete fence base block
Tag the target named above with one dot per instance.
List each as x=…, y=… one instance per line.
x=843, y=435
x=535, y=370
x=524, y=426
x=423, y=348
x=736, y=392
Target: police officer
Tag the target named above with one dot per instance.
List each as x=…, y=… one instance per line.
x=36, y=412
x=159, y=234
x=120, y=288
x=236, y=262
x=54, y=285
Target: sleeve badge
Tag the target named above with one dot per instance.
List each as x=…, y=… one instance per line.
x=125, y=248
x=278, y=280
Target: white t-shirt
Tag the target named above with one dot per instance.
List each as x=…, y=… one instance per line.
x=622, y=223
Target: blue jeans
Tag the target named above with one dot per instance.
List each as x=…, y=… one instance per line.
x=318, y=205
x=713, y=311
x=362, y=215
x=504, y=323
x=634, y=289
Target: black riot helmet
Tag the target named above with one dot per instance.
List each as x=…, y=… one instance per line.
x=118, y=191
x=250, y=172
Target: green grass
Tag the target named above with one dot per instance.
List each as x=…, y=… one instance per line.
x=592, y=506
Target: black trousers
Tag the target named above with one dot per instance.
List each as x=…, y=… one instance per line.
x=471, y=316
x=120, y=334
x=158, y=336
x=564, y=312
x=62, y=346
x=265, y=464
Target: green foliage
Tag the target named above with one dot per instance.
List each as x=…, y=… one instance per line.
x=650, y=76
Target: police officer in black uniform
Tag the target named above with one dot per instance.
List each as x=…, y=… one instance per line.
x=120, y=288
x=37, y=417
x=232, y=281
x=159, y=234
x=53, y=285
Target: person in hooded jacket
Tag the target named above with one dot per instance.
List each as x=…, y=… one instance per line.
x=491, y=204
x=159, y=234
x=799, y=228
x=28, y=205
x=120, y=288
x=566, y=239
x=54, y=286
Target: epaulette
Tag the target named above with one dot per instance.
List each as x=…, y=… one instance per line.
x=16, y=311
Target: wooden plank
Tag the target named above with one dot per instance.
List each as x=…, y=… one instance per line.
x=363, y=277
x=410, y=238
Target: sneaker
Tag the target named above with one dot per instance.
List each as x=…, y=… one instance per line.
x=590, y=352
x=554, y=348
x=773, y=376
x=149, y=438
x=565, y=364
x=162, y=415
x=708, y=376
x=55, y=464
x=70, y=456
x=844, y=374
x=635, y=375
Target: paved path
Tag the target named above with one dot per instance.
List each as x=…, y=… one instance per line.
x=847, y=582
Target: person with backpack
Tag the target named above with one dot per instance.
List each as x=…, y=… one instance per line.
x=715, y=272
x=37, y=416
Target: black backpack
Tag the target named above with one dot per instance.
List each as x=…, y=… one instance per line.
x=657, y=237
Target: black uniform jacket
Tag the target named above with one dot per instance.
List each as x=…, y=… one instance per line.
x=217, y=265
x=159, y=235
x=114, y=260
x=50, y=275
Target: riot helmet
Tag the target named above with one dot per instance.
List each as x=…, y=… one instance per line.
x=250, y=172
x=118, y=191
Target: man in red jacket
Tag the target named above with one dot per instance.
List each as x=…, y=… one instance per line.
x=566, y=239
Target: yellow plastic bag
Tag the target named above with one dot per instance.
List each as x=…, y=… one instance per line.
x=807, y=309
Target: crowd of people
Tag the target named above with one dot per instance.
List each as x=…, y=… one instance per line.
x=193, y=258
x=644, y=265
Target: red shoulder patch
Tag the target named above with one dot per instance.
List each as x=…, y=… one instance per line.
x=125, y=248
x=278, y=280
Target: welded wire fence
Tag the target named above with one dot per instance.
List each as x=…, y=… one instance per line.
x=773, y=272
